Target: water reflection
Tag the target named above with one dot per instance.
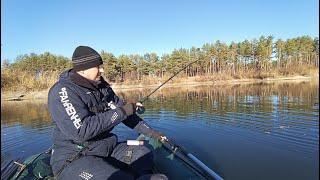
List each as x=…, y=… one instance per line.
x=249, y=99
x=273, y=123
x=281, y=117
x=32, y=114
x=25, y=129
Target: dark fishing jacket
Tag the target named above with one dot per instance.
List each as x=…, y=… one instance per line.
x=84, y=113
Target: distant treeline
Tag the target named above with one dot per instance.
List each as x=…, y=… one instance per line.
x=257, y=58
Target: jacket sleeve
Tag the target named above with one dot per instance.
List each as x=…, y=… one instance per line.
x=139, y=125
x=74, y=119
x=118, y=101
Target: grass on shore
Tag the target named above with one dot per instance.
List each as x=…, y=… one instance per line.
x=13, y=80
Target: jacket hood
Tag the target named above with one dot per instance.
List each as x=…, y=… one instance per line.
x=65, y=75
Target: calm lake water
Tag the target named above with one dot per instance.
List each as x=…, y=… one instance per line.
x=253, y=131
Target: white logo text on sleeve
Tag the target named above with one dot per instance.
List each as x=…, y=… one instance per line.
x=72, y=113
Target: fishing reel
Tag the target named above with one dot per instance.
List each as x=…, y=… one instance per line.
x=140, y=109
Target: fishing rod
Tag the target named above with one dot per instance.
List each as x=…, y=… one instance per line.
x=145, y=98
x=142, y=109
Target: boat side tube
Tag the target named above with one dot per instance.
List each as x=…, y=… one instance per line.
x=206, y=168
x=191, y=160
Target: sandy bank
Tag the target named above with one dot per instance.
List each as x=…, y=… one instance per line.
x=191, y=82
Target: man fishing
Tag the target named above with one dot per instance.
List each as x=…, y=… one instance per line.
x=85, y=109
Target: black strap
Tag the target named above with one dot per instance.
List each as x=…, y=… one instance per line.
x=75, y=157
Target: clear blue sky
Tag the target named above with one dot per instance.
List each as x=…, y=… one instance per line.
x=141, y=26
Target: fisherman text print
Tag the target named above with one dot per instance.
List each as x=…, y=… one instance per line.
x=72, y=113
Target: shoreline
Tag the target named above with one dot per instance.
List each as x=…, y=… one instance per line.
x=215, y=82
x=43, y=94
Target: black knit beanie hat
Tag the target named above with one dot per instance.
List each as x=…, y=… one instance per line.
x=85, y=57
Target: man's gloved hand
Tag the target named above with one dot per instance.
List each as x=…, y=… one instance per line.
x=159, y=136
x=131, y=107
x=139, y=104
